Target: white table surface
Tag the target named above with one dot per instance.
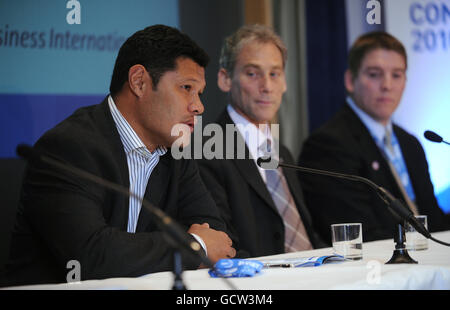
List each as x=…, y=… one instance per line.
x=370, y=273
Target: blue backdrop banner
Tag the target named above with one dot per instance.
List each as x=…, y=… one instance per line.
x=57, y=56
x=424, y=28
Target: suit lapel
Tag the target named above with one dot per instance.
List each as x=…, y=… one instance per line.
x=378, y=166
x=106, y=125
x=247, y=167
x=365, y=141
x=159, y=180
x=156, y=188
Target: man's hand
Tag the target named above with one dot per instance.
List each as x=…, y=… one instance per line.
x=218, y=244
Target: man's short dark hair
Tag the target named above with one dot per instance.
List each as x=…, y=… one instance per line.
x=369, y=42
x=156, y=48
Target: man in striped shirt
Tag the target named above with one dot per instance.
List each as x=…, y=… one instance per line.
x=156, y=84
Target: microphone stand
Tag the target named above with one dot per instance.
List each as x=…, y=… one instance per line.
x=400, y=255
x=178, y=284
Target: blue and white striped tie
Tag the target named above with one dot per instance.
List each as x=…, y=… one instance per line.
x=393, y=153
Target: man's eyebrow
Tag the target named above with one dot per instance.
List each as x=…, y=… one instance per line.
x=373, y=68
x=250, y=65
x=189, y=79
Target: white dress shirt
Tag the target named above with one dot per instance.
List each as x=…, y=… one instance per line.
x=254, y=137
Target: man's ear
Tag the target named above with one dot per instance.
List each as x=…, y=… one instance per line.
x=348, y=81
x=138, y=78
x=223, y=80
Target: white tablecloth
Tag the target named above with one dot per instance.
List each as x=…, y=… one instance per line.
x=370, y=273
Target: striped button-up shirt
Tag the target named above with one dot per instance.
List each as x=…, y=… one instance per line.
x=141, y=162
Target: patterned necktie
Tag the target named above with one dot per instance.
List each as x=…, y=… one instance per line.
x=395, y=160
x=296, y=238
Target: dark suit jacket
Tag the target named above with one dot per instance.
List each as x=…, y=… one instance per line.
x=345, y=145
x=63, y=218
x=246, y=205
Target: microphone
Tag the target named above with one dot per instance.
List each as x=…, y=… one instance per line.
x=434, y=137
x=174, y=232
x=395, y=205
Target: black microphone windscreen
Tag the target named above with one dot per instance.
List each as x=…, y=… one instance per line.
x=259, y=161
x=267, y=163
x=432, y=136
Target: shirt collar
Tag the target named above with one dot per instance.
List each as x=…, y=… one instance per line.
x=376, y=129
x=253, y=137
x=130, y=139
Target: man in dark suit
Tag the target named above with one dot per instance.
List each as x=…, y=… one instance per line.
x=264, y=210
x=361, y=139
x=65, y=221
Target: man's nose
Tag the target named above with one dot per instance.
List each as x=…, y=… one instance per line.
x=386, y=83
x=196, y=107
x=265, y=83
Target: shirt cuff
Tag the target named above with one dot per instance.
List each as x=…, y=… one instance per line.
x=202, y=243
